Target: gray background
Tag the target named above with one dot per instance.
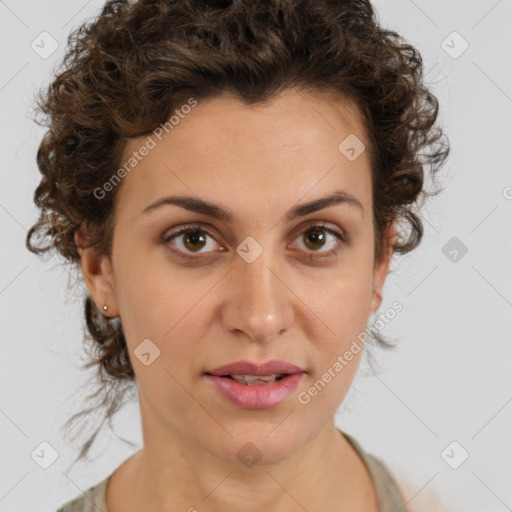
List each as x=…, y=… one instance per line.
x=448, y=380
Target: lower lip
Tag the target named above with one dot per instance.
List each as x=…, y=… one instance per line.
x=263, y=396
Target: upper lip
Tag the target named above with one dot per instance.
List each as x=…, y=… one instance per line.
x=250, y=368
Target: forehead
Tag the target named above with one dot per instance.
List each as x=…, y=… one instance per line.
x=266, y=152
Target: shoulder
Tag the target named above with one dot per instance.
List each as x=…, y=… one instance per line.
x=414, y=496
x=393, y=490
x=419, y=498
x=92, y=500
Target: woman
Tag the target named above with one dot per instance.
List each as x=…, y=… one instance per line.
x=286, y=140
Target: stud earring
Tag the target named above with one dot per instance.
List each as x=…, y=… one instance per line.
x=105, y=308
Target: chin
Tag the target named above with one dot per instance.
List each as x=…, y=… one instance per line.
x=258, y=444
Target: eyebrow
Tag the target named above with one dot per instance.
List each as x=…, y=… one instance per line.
x=219, y=212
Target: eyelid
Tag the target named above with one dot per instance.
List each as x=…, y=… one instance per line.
x=328, y=226
x=343, y=239
x=166, y=239
x=339, y=234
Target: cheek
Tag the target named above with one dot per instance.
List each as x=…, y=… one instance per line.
x=149, y=289
x=341, y=300
x=163, y=304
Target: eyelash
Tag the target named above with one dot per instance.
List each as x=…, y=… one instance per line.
x=197, y=228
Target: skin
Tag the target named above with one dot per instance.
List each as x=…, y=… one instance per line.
x=258, y=161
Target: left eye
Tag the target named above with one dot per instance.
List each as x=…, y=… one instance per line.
x=317, y=235
x=313, y=239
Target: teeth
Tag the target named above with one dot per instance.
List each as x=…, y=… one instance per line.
x=254, y=380
x=255, y=377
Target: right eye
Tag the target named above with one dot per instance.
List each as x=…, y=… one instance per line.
x=195, y=238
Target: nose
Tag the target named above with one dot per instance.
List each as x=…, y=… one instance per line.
x=259, y=302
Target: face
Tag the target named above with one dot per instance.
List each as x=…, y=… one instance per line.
x=268, y=283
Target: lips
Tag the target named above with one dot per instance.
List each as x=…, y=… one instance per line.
x=259, y=369
x=249, y=385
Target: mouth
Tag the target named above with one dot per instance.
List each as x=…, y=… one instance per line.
x=256, y=393
x=249, y=371
x=256, y=385
x=254, y=380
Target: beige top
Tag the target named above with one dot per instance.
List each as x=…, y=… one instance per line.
x=388, y=494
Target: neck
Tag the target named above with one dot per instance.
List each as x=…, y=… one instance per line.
x=173, y=472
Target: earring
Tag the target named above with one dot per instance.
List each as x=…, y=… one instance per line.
x=105, y=308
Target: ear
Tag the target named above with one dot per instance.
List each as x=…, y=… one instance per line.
x=98, y=277
x=381, y=268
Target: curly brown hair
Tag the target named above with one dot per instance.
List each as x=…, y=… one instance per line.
x=125, y=72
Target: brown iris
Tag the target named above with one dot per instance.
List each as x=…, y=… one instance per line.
x=194, y=237
x=316, y=236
